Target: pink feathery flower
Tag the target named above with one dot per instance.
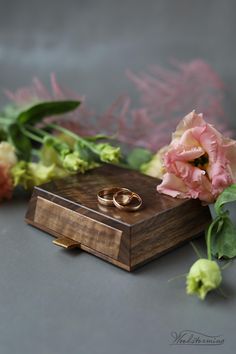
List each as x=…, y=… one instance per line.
x=38, y=92
x=165, y=96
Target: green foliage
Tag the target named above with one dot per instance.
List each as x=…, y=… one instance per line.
x=17, y=123
x=223, y=242
x=227, y=196
x=3, y=135
x=39, y=111
x=58, y=156
x=137, y=157
x=221, y=234
x=84, y=152
x=21, y=142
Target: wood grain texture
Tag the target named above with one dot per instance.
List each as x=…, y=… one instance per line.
x=69, y=208
x=78, y=227
x=168, y=230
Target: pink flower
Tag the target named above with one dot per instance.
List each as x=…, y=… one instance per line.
x=199, y=162
x=7, y=160
x=6, y=186
x=165, y=94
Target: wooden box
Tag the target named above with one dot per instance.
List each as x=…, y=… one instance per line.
x=68, y=209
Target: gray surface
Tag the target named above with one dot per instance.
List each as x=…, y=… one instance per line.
x=57, y=302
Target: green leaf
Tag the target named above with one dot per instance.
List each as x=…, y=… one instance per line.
x=227, y=196
x=137, y=157
x=10, y=112
x=98, y=137
x=84, y=152
x=223, y=239
x=20, y=141
x=3, y=135
x=39, y=111
x=223, y=231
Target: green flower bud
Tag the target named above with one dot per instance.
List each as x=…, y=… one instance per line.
x=33, y=174
x=72, y=162
x=60, y=147
x=108, y=153
x=49, y=156
x=18, y=173
x=204, y=276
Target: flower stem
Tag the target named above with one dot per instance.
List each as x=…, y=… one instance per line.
x=38, y=131
x=65, y=131
x=195, y=250
x=5, y=120
x=177, y=277
x=208, y=238
x=227, y=264
x=31, y=135
x=75, y=136
x=35, y=152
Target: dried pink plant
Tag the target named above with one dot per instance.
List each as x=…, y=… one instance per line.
x=169, y=94
x=166, y=95
x=37, y=92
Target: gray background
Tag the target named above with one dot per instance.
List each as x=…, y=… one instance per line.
x=52, y=301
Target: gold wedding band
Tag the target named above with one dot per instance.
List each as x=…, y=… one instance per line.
x=120, y=201
x=105, y=196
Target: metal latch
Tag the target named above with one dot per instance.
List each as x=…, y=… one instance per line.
x=66, y=242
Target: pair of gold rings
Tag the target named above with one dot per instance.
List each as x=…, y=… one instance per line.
x=122, y=198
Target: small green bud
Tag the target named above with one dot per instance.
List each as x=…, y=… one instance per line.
x=72, y=162
x=30, y=174
x=61, y=147
x=204, y=276
x=108, y=153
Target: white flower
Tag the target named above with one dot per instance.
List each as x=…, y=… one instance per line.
x=155, y=167
x=7, y=155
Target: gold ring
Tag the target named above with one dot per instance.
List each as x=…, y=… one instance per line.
x=105, y=196
x=120, y=200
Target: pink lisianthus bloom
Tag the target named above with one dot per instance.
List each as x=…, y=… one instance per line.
x=199, y=162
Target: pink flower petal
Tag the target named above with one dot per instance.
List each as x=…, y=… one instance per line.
x=173, y=186
x=193, y=139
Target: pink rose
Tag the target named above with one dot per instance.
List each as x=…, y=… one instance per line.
x=199, y=162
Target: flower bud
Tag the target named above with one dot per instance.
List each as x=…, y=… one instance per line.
x=108, y=153
x=30, y=174
x=72, y=162
x=204, y=276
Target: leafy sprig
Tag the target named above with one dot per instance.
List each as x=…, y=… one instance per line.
x=221, y=233
x=58, y=154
